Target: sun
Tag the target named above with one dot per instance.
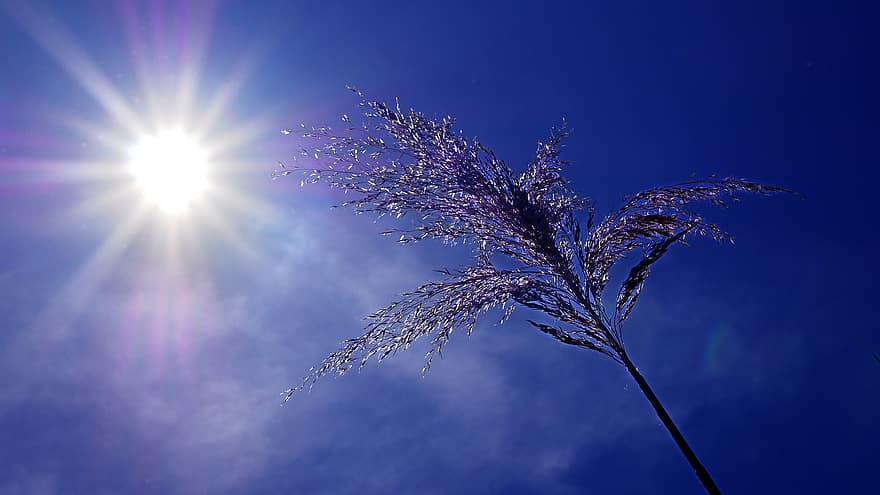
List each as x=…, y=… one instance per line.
x=171, y=169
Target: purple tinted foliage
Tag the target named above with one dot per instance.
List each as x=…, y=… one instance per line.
x=403, y=163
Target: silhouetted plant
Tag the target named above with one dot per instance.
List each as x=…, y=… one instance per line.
x=459, y=191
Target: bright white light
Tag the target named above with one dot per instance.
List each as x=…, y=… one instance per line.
x=170, y=169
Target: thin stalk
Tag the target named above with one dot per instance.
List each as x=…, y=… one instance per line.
x=702, y=473
x=699, y=469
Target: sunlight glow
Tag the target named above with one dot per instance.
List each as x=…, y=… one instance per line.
x=170, y=168
x=161, y=142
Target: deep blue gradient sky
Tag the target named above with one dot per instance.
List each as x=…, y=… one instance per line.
x=140, y=354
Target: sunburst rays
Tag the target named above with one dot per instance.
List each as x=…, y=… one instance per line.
x=167, y=48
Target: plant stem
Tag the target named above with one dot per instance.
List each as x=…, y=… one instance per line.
x=702, y=473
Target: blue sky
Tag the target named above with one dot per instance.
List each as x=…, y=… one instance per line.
x=142, y=353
